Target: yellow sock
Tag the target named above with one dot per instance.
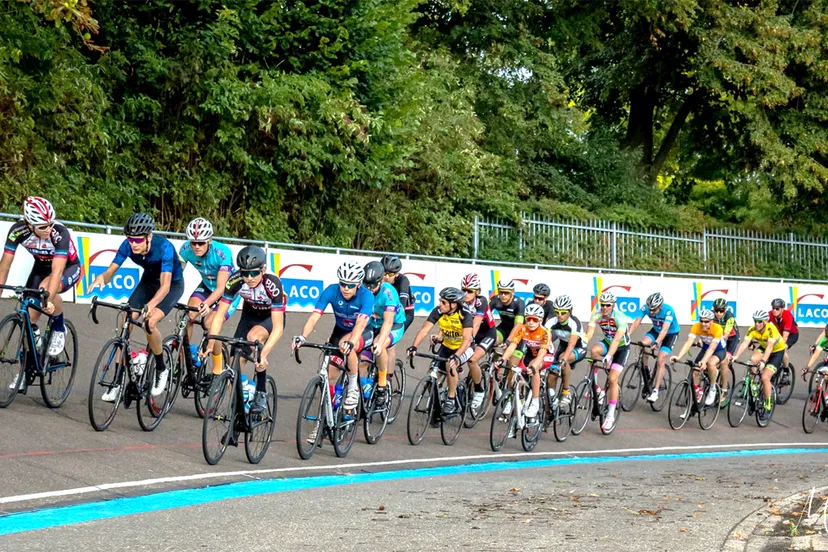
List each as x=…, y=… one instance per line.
x=382, y=378
x=217, y=364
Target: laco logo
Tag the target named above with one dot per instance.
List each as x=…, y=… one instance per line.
x=301, y=292
x=423, y=295
x=120, y=287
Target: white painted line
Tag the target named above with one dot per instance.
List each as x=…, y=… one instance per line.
x=384, y=463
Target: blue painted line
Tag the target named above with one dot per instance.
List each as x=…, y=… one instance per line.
x=106, y=509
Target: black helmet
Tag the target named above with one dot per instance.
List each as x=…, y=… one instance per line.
x=139, y=224
x=542, y=290
x=720, y=304
x=391, y=264
x=452, y=295
x=373, y=273
x=778, y=304
x=251, y=258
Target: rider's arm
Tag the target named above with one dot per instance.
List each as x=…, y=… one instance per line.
x=274, y=289
x=686, y=346
x=5, y=265
x=665, y=329
x=58, y=264
x=467, y=340
x=216, y=324
x=507, y=354
x=387, y=324
x=714, y=343
x=815, y=356
x=574, y=335
x=769, y=349
x=311, y=323
x=742, y=346
x=277, y=317
x=616, y=340
x=590, y=331
x=635, y=324
x=221, y=282
x=106, y=276
x=427, y=325
x=165, y=280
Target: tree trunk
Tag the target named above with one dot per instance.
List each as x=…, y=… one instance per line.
x=672, y=134
x=640, y=123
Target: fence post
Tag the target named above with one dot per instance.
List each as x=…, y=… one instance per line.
x=614, y=245
x=476, y=235
x=791, y=237
x=704, y=246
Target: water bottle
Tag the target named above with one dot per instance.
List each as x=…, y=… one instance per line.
x=194, y=355
x=601, y=395
x=553, y=400
x=38, y=337
x=337, y=396
x=698, y=391
x=754, y=388
x=367, y=385
x=138, y=362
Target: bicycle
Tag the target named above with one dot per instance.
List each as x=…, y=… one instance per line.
x=517, y=394
x=114, y=370
x=783, y=382
x=560, y=420
x=322, y=410
x=192, y=380
x=638, y=381
x=396, y=390
x=56, y=374
x=227, y=413
x=494, y=378
x=815, y=409
x=687, y=400
x=426, y=403
x=813, y=372
x=748, y=398
x=591, y=402
x=374, y=418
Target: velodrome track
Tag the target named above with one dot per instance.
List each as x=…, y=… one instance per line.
x=585, y=492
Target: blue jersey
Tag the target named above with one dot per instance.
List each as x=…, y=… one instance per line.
x=387, y=300
x=217, y=259
x=346, y=312
x=666, y=315
x=160, y=258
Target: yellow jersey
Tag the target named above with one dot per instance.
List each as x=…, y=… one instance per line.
x=714, y=333
x=770, y=332
x=452, y=325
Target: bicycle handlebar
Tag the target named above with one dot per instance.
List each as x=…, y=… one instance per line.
x=645, y=347
x=123, y=307
x=23, y=291
x=237, y=342
x=327, y=347
x=187, y=308
x=425, y=355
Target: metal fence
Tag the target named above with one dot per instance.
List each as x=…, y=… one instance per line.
x=606, y=244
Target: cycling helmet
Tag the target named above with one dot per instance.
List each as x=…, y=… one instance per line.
x=373, y=273
x=542, y=290
x=251, y=258
x=391, y=264
x=534, y=311
x=350, y=273
x=38, y=211
x=562, y=302
x=505, y=285
x=452, y=295
x=706, y=314
x=199, y=229
x=139, y=224
x=760, y=316
x=607, y=297
x=720, y=303
x=471, y=281
x=654, y=301
x=778, y=304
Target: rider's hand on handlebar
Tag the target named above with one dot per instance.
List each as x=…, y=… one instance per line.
x=203, y=309
x=674, y=358
x=761, y=364
x=346, y=347
x=411, y=351
x=455, y=361
x=436, y=339
x=298, y=341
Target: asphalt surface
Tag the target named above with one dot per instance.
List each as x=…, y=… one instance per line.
x=57, y=450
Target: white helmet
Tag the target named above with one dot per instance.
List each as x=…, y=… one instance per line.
x=38, y=211
x=533, y=310
x=655, y=300
x=563, y=302
x=199, y=229
x=760, y=316
x=350, y=273
x=706, y=314
x=471, y=281
x=607, y=297
x=505, y=285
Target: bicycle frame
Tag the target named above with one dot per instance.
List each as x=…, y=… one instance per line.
x=27, y=298
x=327, y=352
x=239, y=347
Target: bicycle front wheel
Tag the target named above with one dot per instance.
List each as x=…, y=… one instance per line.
x=260, y=426
x=178, y=365
x=108, y=384
x=345, y=423
x=739, y=404
x=763, y=421
x=56, y=381
x=582, y=403
x=811, y=412
x=663, y=390
x=217, y=429
x=310, y=424
x=152, y=408
x=785, y=380
x=563, y=417
x=530, y=435
x=504, y=420
x=473, y=415
x=421, y=411
x=396, y=388
x=681, y=402
x=12, y=358
x=630, y=387
x=375, y=420
x=708, y=413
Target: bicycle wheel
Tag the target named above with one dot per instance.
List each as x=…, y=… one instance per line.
x=582, y=403
x=420, y=411
x=562, y=419
x=345, y=423
x=396, y=388
x=59, y=373
x=260, y=426
x=663, y=390
x=811, y=412
x=487, y=386
x=178, y=365
x=375, y=419
x=530, y=435
x=731, y=385
x=202, y=385
x=759, y=420
x=109, y=373
x=680, y=404
x=450, y=426
x=603, y=417
x=310, y=420
x=152, y=409
x=12, y=358
x=630, y=387
x=708, y=413
x=475, y=415
x=503, y=425
x=739, y=404
x=785, y=381
x=218, y=427
x=811, y=380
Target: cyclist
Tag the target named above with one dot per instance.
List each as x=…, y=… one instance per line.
x=159, y=289
x=725, y=319
x=483, y=330
x=540, y=297
x=214, y=262
x=613, y=350
x=531, y=347
x=392, y=266
x=567, y=329
x=820, y=345
x=510, y=309
x=662, y=336
x=353, y=306
x=262, y=318
x=711, y=354
x=56, y=264
x=768, y=357
x=455, y=321
x=784, y=321
x=387, y=323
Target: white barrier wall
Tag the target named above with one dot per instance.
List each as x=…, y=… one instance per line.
x=304, y=275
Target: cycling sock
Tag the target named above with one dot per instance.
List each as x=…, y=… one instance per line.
x=611, y=410
x=261, y=381
x=353, y=382
x=478, y=387
x=159, y=363
x=382, y=378
x=217, y=362
x=57, y=323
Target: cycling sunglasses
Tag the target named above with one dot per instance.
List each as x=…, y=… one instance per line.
x=532, y=319
x=719, y=310
x=539, y=299
x=250, y=273
x=136, y=240
x=607, y=305
x=347, y=286
x=198, y=243
x=43, y=227
x=467, y=290
x=561, y=312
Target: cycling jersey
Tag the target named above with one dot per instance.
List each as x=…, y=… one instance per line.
x=481, y=309
x=728, y=324
x=714, y=333
x=535, y=340
x=770, y=332
x=217, y=259
x=617, y=320
x=452, y=325
x=387, y=300
x=784, y=323
x=564, y=331
x=403, y=289
x=510, y=314
x=160, y=258
x=548, y=309
x=665, y=315
x=58, y=245
x=267, y=296
x=823, y=342
x=346, y=311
